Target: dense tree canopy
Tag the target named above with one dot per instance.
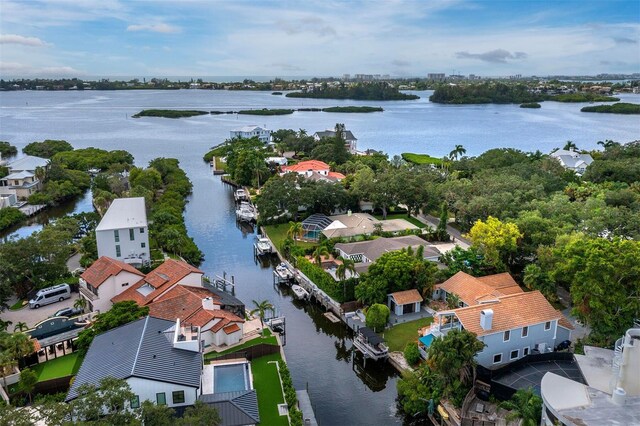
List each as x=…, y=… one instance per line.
x=47, y=148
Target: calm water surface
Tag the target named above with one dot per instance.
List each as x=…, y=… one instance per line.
x=318, y=352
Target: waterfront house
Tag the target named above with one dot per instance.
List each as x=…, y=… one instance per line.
x=611, y=394
x=350, y=225
x=510, y=322
x=123, y=232
x=350, y=141
x=8, y=200
x=573, y=160
x=364, y=253
x=22, y=181
x=105, y=279
x=176, y=290
x=404, y=302
x=160, y=360
x=248, y=132
x=313, y=169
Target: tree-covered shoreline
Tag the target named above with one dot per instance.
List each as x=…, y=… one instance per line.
x=378, y=91
x=619, y=108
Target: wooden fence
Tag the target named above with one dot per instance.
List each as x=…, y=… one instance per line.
x=250, y=353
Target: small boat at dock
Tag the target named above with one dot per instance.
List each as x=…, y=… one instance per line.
x=370, y=344
x=282, y=274
x=263, y=246
x=241, y=195
x=299, y=292
x=246, y=212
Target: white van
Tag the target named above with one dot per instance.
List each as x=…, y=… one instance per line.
x=49, y=295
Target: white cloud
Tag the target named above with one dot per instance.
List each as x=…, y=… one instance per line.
x=156, y=28
x=16, y=69
x=18, y=39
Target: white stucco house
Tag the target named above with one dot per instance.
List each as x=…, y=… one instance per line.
x=22, y=181
x=123, y=232
x=248, y=132
x=573, y=160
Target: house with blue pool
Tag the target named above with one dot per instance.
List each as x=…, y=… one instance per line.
x=510, y=322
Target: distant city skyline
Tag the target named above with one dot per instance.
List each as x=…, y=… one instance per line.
x=402, y=38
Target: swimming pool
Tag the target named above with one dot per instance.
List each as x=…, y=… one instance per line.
x=231, y=377
x=426, y=340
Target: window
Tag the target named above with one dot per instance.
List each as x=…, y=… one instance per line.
x=525, y=351
x=116, y=234
x=118, y=254
x=497, y=358
x=507, y=335
x=514, y=354
x=547, y=325
x=178, y=397
x=143, y=245
x=131, y=235
x=161, y=398
x=525, y=331
x=142, y=230
x=135, y=401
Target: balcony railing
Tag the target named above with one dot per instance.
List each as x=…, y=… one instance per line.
x=87, y=293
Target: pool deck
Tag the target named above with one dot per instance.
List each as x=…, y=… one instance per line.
x=308, y=416
x=207, y=376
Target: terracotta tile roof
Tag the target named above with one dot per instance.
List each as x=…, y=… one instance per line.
x=564, y=322
x=218, y=326
x=104, y=268
x=161, y=279
x=509, y=312
x=407, y=296
x=231, y=328
x=503, y=282
x=336, y=175
x=472, y=290
x=304, y=166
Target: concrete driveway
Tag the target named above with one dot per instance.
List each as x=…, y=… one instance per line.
x=33, y=316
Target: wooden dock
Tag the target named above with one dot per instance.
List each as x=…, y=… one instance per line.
x=216, y=171
x=30, y=210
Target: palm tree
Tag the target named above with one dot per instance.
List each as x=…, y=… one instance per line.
x=295, y=231
x=20, y=345
x=453, y=301
x=80, y=303
x=457, y=152
x=320, y=251
x=4, y=325
x=570, y=146
x=20, y=327
x=525, y=405
x=347, y=265
x=261, y=308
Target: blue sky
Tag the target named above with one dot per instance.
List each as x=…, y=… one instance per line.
x=317, y=38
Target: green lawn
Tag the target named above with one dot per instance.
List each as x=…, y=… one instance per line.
x=399, y=335
x=267, y=339
x=266, y=382
x=278, y=233
x=421, y=159
x=59, y=367
x=404, y=216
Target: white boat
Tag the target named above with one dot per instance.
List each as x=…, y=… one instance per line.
x=263, y=246
x=299, y=292
x=282, y=273
x=246, y=212
x=241, y=195
x=370, y=344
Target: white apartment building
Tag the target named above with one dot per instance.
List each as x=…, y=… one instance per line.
x=248, y=132
x=123, y=232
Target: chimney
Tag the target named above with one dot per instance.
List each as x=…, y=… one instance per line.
x=207, y=304
x=486, y=318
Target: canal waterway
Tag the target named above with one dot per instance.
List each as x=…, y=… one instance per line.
x=319, y=352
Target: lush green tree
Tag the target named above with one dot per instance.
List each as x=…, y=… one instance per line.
x=200, y=414
x=452, y=358
x=280, y=197
x=453, y=301
x=416, y=389
x=148, y=178
x=441, y=230
x=525, y=405
x=28, y=380
x=10, y=216
x=106, y=403
x=570, y=146
x=346, y=265
x=7, y=150
x=120, y=313
x=496, y=240
x=604, y=280
x=411, y=353
x=377, y=316
x=537, y=279
x=295, y=231
x=156, y=415
x=47, y=148
x=458, y=151
x=320, y=252
x=395, y=271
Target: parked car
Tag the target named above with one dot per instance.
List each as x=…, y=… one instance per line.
x=49, y=295
x=565, y=344
x=68, y=312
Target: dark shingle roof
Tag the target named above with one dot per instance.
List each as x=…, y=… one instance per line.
x=138, y=349
x=235, y=408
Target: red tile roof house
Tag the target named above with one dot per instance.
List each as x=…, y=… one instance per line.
x=313, y=169
x=174, y=290
x=510, y=322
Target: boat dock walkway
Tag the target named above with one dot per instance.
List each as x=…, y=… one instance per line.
x=31, y=209
x=216, y=171
x=308, y=416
